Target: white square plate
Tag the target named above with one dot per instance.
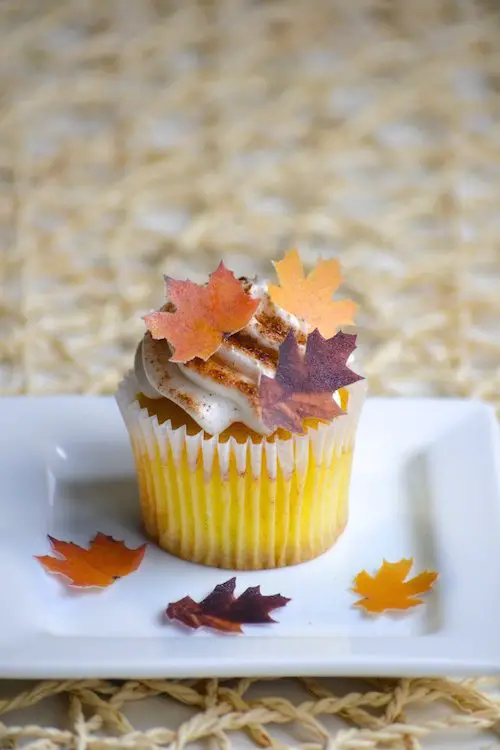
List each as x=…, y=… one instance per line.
x=425, y=484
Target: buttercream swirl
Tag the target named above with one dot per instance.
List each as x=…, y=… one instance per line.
x=224, y=389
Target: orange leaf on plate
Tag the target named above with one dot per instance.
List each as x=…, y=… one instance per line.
x=104, y=562
x=203, y=314
x=310, y=298
x=304, y=383
x=387, y=589
x=221, y=610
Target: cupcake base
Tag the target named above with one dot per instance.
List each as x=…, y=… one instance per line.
x=240, y=506
x=239, y=522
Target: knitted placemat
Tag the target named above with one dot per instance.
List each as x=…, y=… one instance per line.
x=148, y=136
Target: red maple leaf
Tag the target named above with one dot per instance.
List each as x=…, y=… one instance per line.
x=202, y=314
x=304, y=383
x=221, y=610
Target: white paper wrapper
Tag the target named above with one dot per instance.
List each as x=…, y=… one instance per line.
x=242, y=505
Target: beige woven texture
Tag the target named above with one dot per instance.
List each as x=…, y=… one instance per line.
x=145, y=136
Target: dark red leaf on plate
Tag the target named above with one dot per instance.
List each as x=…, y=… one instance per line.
x=221, y=610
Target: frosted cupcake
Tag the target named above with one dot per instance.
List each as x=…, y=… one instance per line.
x=242, y=414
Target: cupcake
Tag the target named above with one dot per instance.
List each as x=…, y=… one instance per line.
x=242, y=410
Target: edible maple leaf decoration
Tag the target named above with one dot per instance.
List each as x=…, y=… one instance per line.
x=310, y=297
x=203, y=314
x=387, y=589
x=104, y=562
x=221, y=610
x=304, y=383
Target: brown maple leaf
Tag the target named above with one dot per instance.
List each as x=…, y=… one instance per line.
x=221, y=610
x=203, y=314
x=387, y=589
x=104, y=562
x=310, y=297
x=304, y=384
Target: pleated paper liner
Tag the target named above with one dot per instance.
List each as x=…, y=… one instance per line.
x=241, y=505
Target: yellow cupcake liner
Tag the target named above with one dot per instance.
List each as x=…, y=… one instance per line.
x=242, y=506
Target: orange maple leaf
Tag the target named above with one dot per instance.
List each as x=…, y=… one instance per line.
x=104, y=562
x=387, y=589
x=310, y=298
x=203, y=314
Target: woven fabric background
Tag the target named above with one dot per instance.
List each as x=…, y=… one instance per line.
x=146, y=136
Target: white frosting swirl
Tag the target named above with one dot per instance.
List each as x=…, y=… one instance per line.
x=225, y=388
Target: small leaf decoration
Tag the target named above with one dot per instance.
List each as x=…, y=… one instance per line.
x=104, y=562
x=310, y=298
x=221, y=610
x=304, y=383
x=203, y=314
x=387, y=589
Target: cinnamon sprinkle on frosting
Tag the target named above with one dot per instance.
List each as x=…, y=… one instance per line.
x=223, y=389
